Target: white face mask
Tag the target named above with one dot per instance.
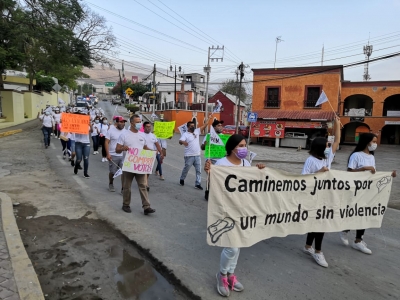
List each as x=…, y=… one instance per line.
x=372, y=147
x=326, y=152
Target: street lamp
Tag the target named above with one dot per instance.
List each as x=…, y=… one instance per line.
x=179, y=70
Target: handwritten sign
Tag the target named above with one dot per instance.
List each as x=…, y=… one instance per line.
x=216, y=151
x=247, y=205
x=75, y=123
x=164, y=130
x=139, y=161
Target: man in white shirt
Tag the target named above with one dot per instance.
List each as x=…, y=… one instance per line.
x=115, y=159
x=47, y=126
x=190, y=140
x=134, y=139
x=152, y=144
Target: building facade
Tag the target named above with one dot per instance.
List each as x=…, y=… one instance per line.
x=290, y=95
x=229, y=109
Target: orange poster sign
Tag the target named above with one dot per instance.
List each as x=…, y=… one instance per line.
x=75, y=123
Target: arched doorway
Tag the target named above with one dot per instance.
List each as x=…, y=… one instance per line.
x=390, y=134
x=358, y=105
x=351, y=132
x=391, y=106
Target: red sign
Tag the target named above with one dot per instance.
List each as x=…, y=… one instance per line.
x=135, y=79
x=291, y=124
x=274, y=129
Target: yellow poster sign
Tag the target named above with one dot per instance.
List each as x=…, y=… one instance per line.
x=164, y=130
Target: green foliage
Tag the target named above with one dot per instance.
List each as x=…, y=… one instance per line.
x=44, y=83
x=230, y=86
x=133, y=108
x=86, y=89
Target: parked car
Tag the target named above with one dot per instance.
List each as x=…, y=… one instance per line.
x=231, y=129
x=104, y=99
x=116, y=101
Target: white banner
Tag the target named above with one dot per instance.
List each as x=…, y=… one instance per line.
x=182, y=128
x=247, y=205
x=139, y=161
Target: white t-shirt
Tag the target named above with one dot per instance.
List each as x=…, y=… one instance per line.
x=72, y=136
x=57, y=118
x=94, y=133
x=82, y=138
x=163, y=143
x=313, y=164
x=113, y=135
x=103, y=129
x=151, y=141
x=132, y=140
x=361, y=159
x=193, y=147
x=47, y=121
x=225, y=162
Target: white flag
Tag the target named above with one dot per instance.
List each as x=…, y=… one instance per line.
x=118, y=173
x=322, y=99
x=214, y=137
x=252, y=155
x=182, y=128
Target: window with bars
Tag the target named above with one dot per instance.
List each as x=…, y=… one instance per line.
x=312, y=95
x=272, y=97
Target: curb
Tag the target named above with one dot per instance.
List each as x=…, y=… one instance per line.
x=27, y=282
x=11, y=132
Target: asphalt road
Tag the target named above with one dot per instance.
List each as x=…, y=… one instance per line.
x=273, y=269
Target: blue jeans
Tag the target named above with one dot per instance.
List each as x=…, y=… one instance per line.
x=192, y=161
x=159, y=168
x=83, y=149
x=96, y=141
x=46, y=134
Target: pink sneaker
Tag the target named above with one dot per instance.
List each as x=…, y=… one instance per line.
x=222, y=285
x=234, y=283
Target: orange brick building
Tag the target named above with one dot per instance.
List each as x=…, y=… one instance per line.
x=290, y=95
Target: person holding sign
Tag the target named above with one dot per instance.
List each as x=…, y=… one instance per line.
x=133, y=138
x=152, y=144
x=190, y=140
x=320, y=159
x=362, y=159
x=236, y=152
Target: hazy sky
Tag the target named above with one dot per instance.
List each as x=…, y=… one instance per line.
x=146, y=33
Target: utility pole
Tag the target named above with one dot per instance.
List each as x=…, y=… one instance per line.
x=120, y=82
x=207, y=70
x=367, y=52
x=277, y=40
x=322, y=57
x=179, y=70
x=241, y=72
x=154, y=88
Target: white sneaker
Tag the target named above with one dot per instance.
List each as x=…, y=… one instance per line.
x=320, y=259
x=362, y=246
x=343, y=238
x=309, y=251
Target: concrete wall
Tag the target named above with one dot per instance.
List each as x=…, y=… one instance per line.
x=13, y=106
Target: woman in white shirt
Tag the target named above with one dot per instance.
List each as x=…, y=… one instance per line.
x=236, y=152
x=360, y=160
x=95, y=127
x=104, y=126
x=320, y=159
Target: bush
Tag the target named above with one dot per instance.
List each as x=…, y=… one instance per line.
x=133, y=108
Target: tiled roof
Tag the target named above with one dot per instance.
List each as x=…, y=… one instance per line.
x=295, y=115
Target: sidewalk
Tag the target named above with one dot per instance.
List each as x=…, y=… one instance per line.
x=8, y=288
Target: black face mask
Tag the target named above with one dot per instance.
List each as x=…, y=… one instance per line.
x=191, y=128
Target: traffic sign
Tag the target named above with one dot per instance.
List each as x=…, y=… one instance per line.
x=57, y=87
x=109, y=84
x=129, y=91
x=252, y=117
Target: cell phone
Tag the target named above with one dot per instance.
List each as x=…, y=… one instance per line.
x=329, y=145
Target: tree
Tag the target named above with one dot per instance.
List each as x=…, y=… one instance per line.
x=231, y=86
x=138, y=88
x=44, y=83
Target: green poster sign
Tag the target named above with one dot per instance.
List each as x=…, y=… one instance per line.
x=216, y=151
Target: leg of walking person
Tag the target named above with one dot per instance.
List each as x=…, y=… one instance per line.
x=226, y=275
x=78, y=151
x=45, y=136
x=95, y=140
x=103, y=149
x=86, y=154
x=72, y=153
x=189, y=160
x=64, y=148
x=159, y=166
x=197, y=166
x=141, y=180
x=49, y=131
x=126, y=195
x=310, y=240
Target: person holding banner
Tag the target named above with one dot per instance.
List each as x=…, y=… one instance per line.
x=190, y=140
x=82, y=149
x=48, y=124
x=152, y=144
x=360, y=160
x=236, y=152
x=133, y=138
x=320, y=160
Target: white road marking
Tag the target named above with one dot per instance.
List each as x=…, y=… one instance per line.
x=52, y=146
x=61, y=160
x=80, y=182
